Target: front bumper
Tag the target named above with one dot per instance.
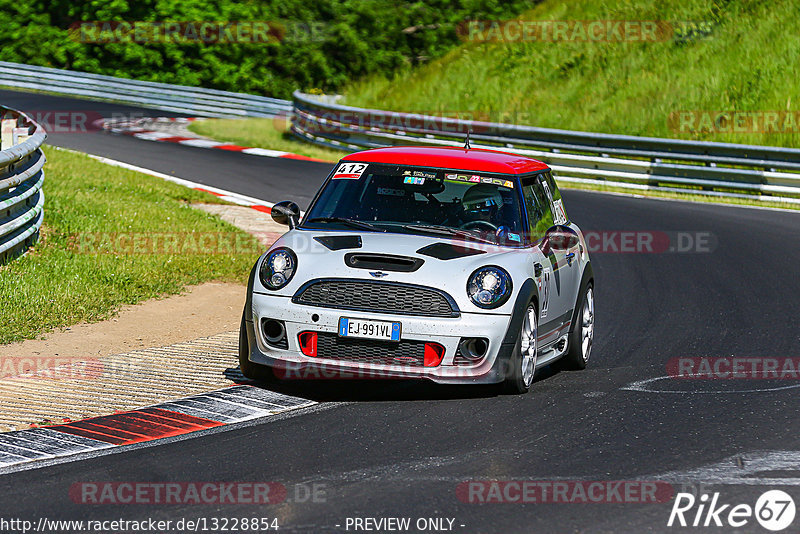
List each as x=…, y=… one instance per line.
x=446, y=331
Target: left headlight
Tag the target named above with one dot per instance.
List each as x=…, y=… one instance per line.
x=278, y=268
x=489, y=287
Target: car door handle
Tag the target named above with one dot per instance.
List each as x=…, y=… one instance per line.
x=569, y=258
x=537, y=269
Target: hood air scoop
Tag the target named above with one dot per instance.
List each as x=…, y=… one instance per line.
x=339, y=242
x=383, y=262
x=449, y=251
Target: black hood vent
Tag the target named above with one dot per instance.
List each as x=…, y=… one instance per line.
x=449, y=251
x=339, y=242
x=382, y=262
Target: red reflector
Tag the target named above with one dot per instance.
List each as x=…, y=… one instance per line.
x=433, y=354
x=308, y=343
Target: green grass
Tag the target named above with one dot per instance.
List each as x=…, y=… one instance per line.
x=749, y=62
x=64, y=281
x=262, y=133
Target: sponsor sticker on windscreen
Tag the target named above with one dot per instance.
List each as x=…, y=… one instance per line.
x=366, y=328
x=349, y=171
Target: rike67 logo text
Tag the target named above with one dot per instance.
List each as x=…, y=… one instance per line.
x=774, y=510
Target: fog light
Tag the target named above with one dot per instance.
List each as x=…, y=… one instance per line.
x=433, y=354
x=308, y=343
x=274, y=331
x=473, y=348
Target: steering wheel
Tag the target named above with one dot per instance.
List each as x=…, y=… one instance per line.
x=473, y=224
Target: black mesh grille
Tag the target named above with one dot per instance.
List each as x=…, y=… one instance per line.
x=333, y=347
x=461, y=360
x=371, y=296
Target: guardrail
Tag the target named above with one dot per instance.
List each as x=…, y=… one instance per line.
x=21, y=178
x=193, y=101
x=630, y=162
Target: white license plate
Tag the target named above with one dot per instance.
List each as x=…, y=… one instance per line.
x=367, y=328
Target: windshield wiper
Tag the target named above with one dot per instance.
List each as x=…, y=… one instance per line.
x=361, y=225
x=446, y=230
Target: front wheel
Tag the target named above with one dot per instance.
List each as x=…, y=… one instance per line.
x=522, y=364
x=581, y=339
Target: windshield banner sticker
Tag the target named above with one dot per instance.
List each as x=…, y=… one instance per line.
x=349, y=171
x=475, y=178
x=420, y=174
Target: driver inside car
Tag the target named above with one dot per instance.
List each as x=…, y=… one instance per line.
x=482, y=204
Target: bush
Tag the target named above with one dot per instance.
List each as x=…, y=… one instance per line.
x=321, y=45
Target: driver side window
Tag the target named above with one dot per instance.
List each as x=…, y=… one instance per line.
x=540, y=215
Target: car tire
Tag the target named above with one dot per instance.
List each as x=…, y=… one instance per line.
x=581, y=339
x=253, y=371
x=522, y=363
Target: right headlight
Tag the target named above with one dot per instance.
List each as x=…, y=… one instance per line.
x=489, y=287
x=278, y=268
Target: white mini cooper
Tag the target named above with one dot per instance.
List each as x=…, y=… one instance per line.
x=454, y=265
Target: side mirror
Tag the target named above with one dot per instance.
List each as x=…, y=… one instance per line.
x=560, y=238
x=286, y=212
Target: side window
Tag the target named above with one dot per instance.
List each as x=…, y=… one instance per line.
x=537, y=204
x=559, y=214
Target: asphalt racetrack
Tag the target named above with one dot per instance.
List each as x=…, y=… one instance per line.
x=400, y=449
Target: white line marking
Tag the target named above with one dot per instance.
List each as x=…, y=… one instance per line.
x=643, y=386
x=264, y=152
x=152, y=136
x=243, y=200
x=741, y=469
x=202, y=143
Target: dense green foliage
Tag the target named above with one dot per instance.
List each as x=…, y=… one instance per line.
x=745, y=58
x=322, y=45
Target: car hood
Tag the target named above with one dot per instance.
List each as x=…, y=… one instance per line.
x=456, y=260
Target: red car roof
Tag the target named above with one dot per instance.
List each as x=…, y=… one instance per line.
x=474, y=159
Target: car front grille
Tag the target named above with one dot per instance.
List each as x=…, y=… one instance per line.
x=376, y=296
x=408, y=353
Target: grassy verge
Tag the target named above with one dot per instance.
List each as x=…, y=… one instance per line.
x=262, y=133
x=113, y=237
x=743, y=58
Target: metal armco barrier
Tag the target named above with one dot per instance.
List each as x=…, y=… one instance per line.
x=715, y=169
x=193, y=101
x=21, y=178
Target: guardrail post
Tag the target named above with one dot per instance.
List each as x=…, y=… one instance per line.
x=7, y=125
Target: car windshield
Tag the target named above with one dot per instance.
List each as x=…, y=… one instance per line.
x=419, y=200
